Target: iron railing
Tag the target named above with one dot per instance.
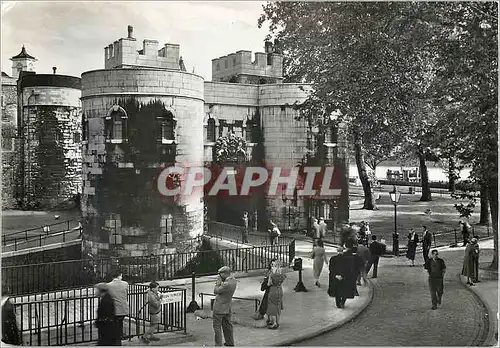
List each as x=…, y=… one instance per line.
x=67, y=317
x=235, y=233
x=202, y=295
x=59, y=232
x=51, y=276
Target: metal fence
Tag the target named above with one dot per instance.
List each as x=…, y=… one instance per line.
x=50, y=276
x=54, y=233
x=67, y=317
x=235, y=233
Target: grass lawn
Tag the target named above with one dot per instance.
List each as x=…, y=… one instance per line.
x=443, y=216
x=14, y=221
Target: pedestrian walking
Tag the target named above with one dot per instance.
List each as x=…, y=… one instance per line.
x=412, y=246
x=108, y=333
x=274, y=233
x=315, y=228
x=154, y=304
x=468, y=266
x=244, y=237
x=436, y=269
x=118, y=289
x=426, y=243
x=224, y=289
x=475, y=258
x=265, y=287
x=275, y=296
x=377, y=249
x=365, y=254
x=465, y=230
x=319, y=257
x=342, y=283
x=321, y=228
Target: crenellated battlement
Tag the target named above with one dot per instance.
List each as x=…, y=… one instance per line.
x=123, y=53
x=239, y=67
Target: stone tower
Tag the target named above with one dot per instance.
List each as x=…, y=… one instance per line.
x=139, y=113
x=22, y=62
x=49, y=128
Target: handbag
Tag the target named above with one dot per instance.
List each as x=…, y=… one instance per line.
x=264, y=286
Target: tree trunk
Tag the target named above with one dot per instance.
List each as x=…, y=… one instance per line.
x=363, y=175
x=484, y=217
x=452, y=175
x=426, y=190
x=493, y=200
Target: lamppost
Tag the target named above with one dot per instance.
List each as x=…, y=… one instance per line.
x=395, y=196
x=285, y=200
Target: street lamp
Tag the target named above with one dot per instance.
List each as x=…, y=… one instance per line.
x=395, y=196
x=285, y=200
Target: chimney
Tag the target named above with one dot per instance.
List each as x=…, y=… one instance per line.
x=54, y=69
x=130, y=32
x=269, y=47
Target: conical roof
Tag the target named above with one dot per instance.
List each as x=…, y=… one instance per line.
x=23, y=54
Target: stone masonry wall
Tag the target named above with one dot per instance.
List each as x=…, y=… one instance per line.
x=9, y=142
x=285, y=140
x=51, y=146
x=124, y=214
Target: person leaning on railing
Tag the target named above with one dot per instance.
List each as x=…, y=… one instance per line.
x=118, y=289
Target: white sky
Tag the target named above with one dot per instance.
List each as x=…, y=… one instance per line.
x=72, y=35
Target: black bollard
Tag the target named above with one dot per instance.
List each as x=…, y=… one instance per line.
x=193, y=306
x=297, y=266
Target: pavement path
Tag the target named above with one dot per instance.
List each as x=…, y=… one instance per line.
x=400, y=312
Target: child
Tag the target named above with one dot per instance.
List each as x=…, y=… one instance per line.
x=154, y=302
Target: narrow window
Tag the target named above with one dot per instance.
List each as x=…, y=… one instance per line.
x=76, y=137
x=117, y=129
x=166, y=127
x=115, y=125
x=211, y=130
x=7, y=144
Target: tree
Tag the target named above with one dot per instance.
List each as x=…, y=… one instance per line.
x=465, y=88
x=367, y=72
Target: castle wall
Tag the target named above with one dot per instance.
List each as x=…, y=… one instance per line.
x=50, y=123
x=283, y=131
x=10, y=148
x=239, y=67
x=124, y=54
x=124, y=214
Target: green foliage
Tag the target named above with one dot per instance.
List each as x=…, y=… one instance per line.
x=132, y=192
x=48, y=168
x=207, y=261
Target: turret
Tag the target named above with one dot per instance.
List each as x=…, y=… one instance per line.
x=22, y=62
x=238, y=67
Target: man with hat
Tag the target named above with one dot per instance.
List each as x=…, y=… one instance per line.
x=106, y=321
x=225, y=287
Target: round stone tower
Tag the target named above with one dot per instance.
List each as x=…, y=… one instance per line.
x=139, y=114
x=50, y=140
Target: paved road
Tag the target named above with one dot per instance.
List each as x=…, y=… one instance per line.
x=400, y=313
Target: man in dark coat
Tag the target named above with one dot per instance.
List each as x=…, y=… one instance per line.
x=342, y=278
x=106, y=323
x=376, y=250
x=10, y=329
x=465, y=229
x=436, y=269
x=475, y=258
x=426, y=243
